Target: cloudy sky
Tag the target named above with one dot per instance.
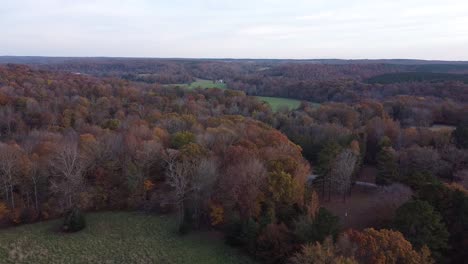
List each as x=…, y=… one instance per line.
x=348, y=29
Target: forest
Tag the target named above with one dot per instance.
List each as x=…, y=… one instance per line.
x=82, y=135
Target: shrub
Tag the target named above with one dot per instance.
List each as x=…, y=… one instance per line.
x=74, y=221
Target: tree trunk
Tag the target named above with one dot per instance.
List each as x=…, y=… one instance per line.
x=12, y=197
x=181, y=214
x=7, y=193
x=36, y=205
x=323, y=187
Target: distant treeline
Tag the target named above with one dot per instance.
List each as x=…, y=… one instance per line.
x=402, y=77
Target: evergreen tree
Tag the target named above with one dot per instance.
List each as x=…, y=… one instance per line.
x=422, y=225
x=387, y=166
x=326, y=159
x=460, y=134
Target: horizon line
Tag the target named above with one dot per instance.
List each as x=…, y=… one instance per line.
x=229, y=58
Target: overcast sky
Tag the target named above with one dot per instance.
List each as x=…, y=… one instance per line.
x=348, y=29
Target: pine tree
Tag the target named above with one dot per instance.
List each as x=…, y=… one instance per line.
x=387, y=166
x=325, y=163
x=422, y=225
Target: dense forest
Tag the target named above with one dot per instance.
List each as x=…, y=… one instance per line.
x=120, y=134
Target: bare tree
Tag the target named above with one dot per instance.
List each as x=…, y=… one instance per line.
x=342, y=171
x=147, y=155
x=36, y=177
x=204, y=178
x=179, y=174
x=9, y=170
x=68, y=167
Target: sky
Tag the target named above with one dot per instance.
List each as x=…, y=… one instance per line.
x=294, y=29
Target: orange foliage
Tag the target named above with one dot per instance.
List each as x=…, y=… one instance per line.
x=216, y=214
x=162, y=135
x=3, y=99
x=3, y=210
x=355, y=147
x=149, y=185
x=15, y=216
x=457, y=187
x=381, y=247
x=87, y=138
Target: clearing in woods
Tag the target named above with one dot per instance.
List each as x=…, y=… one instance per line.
x=115, y=237
x=276, y=103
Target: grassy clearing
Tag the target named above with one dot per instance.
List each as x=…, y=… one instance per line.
x=278, y=103
x=438, y=128
x=368, y=206
x=114, y=237
x=201, y=83
x=206, y=84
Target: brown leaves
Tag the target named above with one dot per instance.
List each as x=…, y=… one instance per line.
x=380, y=247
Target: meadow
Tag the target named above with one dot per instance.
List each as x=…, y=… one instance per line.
x=201, y=83
x=206, y=84
x=276, y=103
x=115, y=237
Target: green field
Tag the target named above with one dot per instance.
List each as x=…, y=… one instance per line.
x=201, y=83
x=277, y=103
x=115, y=237
x=206, y=84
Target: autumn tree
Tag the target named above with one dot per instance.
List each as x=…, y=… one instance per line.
x=242, y=185
x=320, y=253
x=181, y=139
x=372, y=246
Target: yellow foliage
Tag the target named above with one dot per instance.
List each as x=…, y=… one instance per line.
x=216, y=214
x=161, y=134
